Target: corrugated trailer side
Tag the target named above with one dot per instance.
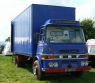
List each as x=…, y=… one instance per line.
x=22, y=33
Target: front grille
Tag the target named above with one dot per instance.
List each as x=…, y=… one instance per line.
x=65, y=56
x=74, y=56
x=69, y=61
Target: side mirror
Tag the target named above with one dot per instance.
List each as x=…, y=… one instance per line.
x=41, y=37
x=42, y=32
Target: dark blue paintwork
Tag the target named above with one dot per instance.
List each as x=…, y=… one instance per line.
x=62, y=22
x=22, y=31
x=74, y=63
x=29, y=22
x=62, y=48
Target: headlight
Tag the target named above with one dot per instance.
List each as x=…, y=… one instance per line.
x=53, y=64
x=84, y=63
x=50, y=64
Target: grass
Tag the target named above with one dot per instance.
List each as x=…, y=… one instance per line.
x=9, y=73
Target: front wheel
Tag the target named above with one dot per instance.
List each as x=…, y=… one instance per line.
x=37, y=70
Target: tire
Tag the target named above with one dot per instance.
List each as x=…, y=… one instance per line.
x=19, y=62
x=37, y=71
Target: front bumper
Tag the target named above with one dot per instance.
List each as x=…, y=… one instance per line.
x=57, y=70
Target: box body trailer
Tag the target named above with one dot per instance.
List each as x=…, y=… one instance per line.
x=29, y=23
x=51, y=38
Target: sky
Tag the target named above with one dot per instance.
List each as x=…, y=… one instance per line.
x=9, y=9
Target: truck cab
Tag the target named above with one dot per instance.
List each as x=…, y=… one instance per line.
x=61, y=48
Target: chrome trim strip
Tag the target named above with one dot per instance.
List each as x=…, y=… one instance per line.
x=66, y=59
x=64, y=54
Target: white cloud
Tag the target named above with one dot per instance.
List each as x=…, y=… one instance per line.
x=8, y=10
x=86, y=10
x=48, y=2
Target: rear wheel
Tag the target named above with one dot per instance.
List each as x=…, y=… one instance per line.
x=36, y=70
x=20, y=61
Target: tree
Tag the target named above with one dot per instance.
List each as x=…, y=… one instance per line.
x=89, y=31
x=8, y=39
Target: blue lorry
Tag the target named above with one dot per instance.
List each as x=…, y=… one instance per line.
x=50, y=38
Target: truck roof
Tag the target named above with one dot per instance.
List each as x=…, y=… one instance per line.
x=44, y=6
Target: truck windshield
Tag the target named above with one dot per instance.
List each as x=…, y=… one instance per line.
x=64, y=35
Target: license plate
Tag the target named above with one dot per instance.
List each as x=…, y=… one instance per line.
x=69, y=70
